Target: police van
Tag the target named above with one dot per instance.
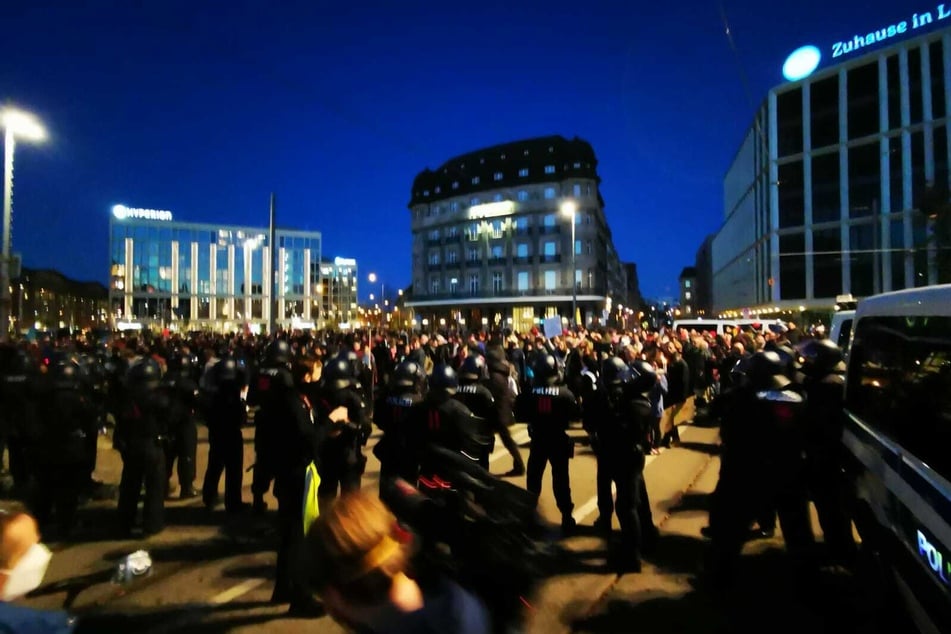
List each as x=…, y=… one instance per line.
x=898, y=434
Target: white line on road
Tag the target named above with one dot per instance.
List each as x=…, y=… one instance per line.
x=233, y=593
x=582, y=512
x=519, y=437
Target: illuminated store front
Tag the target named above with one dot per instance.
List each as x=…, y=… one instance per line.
x=191, y=275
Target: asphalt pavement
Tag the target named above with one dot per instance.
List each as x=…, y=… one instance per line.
x=214, y=572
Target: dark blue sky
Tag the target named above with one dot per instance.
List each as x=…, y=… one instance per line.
x=203, y=108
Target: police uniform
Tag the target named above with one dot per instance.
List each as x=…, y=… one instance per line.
x=478, y=399
x=269, y=389
x=549, y=408
x=182, y=394
x=227, y=416
x=395, y=413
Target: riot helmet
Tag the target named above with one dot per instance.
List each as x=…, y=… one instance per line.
x=766, y=371
x=644, y=376
x=337, y=374
x=545, y=370
x=820, y=357
x=65, y=375
x=407, y=374
x=278, y=352
x=146, y=373
x=444, y=379
x=615, y=372
x=178, y=363
x=473, y=369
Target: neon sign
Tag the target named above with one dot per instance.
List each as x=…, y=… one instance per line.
x=804, y=60
x=121, y=212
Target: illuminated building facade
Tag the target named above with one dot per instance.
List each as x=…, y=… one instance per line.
x=338, y=291
x=492, y=245
x=824, y=196
x=201, y=276
x=47, y=300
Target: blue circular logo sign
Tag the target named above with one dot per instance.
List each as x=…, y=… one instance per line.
x=801, y=63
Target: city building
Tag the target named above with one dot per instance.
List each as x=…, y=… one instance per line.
x=688, y=292
x=633, y=288
x=703, y=262
x=189, y=276
x=824, y=195
x=337, y=290
x=492, y=238
x=47, y=300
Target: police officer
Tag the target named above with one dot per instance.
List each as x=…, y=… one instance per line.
x=622, y=417
x=269, y=390
x=824, y=385
x=447, y=423
x=395, y=413
x=140, y=438
x=227, y=416
x=341, y=411
x=476, y=396
x=18, y=380
x=761, y=460
x=182, y=394
x=548, y=408
x=67, y=418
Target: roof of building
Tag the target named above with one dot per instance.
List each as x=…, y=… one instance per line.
x=57, y=282
x=476, y=171
x=689, y=271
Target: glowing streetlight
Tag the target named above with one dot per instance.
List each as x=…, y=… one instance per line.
x=20, y=124
x=569, y=208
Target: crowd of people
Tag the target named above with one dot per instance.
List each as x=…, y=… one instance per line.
x=313, y=398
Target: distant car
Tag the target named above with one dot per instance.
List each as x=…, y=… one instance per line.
x=898, y=435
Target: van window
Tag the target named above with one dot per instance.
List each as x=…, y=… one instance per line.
x=899, y=382
x=844, y=332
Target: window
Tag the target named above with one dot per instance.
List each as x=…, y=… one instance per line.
x=865, y=188
x=475, y=180
x=549, y=193
x=549, y=220
x=549, y=249
x=452, y=256
x=862, y=84
x=687, y=284
x=434, y=235
x=577, y=165
x=824, y=105
x=791, y=194
x=425, y=192
x=577, y=247
x=687, y=295
x=497, y=176
x=576, y=190
x=497, y=282
x=549, y=169
x=497, y=198
x=521, y=250
x=454, y=206
x=894, y=92
x=434, y=285
x=523, y=172
x=496, y=229
x=522, y=195
x=472, y=232
x=455, y=184
x=789, y=114
x=825, y=188
x=578, y=278
x=434, y=258
x=454, y=285
x=551, y=280
x=475, y=200
x=473, y=283
x=792, y=266
x=472, y=255
x=522, y=280
x=521, y=224
x=826, y=263
x=497, y=253
x=899, y=383
x=452, y=232
x=587, y=247
x=438, y=189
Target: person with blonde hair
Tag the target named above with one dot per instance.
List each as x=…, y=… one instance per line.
x=360, y=558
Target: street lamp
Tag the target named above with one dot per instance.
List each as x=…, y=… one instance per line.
x=15, y=124
x=570, y=209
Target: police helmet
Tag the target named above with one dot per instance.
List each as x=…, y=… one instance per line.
x=739, y=373
x=278, y=352
x=337, y=374
x=615, y=372
x=545, y=370
x=444, y=378
x=644, y=376
x=407, y=374
x=767, y=372
x=820, y=357
x=65, y=375
x=228, y=370
x=178, y=363
x=353, y=360
x=473, y=368
x=145, y=373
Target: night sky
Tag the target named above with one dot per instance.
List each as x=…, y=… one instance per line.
x=203, y=108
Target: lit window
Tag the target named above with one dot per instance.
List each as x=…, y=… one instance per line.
x=687, y=295
x=549, y=220
x=454, y=206
x=576, y=190
x=525, y=153
x=497, y=176
x=434, y=258
x=434, y=285
x=577, y=247
x=474, y=201
x=455, y=184
x=549, y=193
x=549, y=169
x=451, y=257
x=438, y=190
x=497, y=252
x=425, y=192
x=549, y=248
x=522, y=195
x=475, y=180
x=521, y=250
x=454, y=285
x=522, y=280
x=497, y=282
x=523, y=172
x=474, y=283
x=686, y=283
x=550, y=280
x=497, y=198
x=577, y=166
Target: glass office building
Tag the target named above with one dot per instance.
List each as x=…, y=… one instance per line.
x=826, y=192
x=194, y=276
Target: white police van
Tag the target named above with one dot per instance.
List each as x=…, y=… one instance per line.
x=898, y=432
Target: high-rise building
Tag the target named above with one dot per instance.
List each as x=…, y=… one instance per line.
x=197, y=276
x=338, y=291
x=824, y=195
x=492, y=237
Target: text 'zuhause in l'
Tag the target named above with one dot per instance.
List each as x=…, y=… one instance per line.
x=918, y=20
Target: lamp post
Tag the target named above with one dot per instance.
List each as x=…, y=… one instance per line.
x=570, y=209
x=15, y=123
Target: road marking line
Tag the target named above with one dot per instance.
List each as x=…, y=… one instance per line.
x=582, y=512
x=233, y=593
x=519, y=437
